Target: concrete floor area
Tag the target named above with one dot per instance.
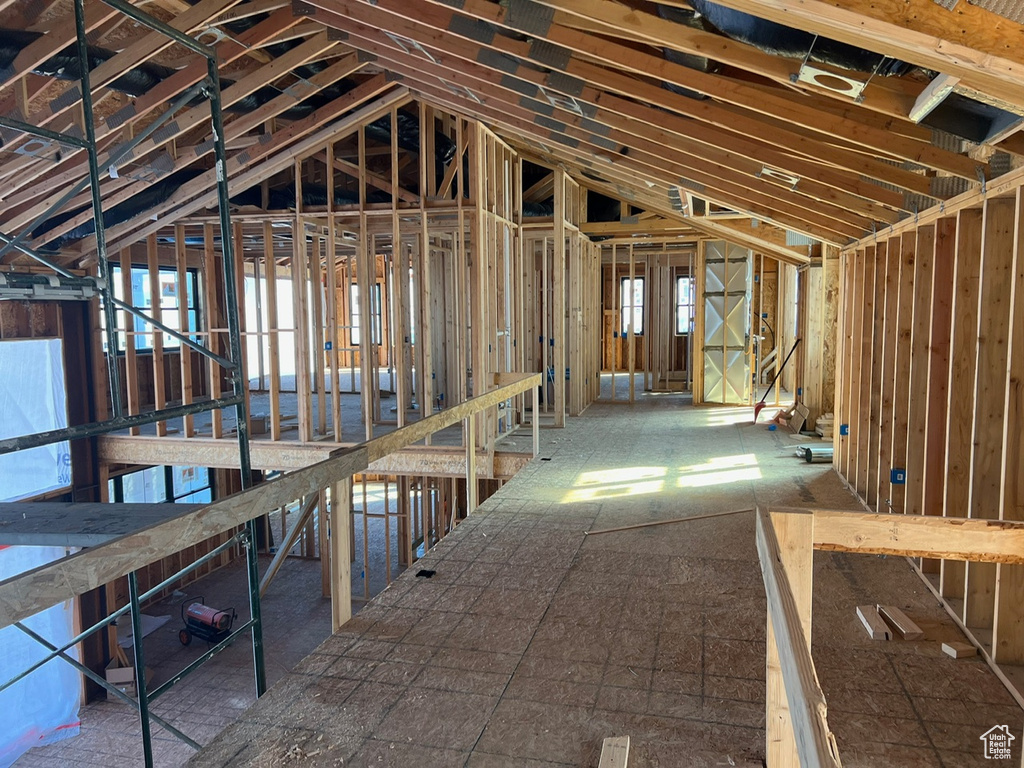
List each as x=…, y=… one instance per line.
x=531, y=643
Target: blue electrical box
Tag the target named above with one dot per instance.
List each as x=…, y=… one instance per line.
x=898, y=476
x=328, y=345
x=844, y=430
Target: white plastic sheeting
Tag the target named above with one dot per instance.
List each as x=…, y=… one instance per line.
x=32, y=400
x=43, y=707
x=727, y=281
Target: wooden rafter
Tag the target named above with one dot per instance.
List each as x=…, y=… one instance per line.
x=654, y=148
x=984, y=49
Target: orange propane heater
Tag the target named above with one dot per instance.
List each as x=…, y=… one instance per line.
x=204, y=622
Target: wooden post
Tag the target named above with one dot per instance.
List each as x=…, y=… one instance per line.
x=535, y=420
x=323, y=547
x=400, y=285
x=301, y=294
x=471, y=481
x=886, y=278
x=243, y=322
x=616, y=319
x=960, y=391
x=365, y=278
x=157, y=337
x=181, y=265
x=213, y=313
x=903, y=325
x=333, y=337
x=934, y=480
x=916, y=401
x=990, y=381
x=131, y=370
x=631, y=344
x=866, y=326
x=341, y=553
x=1008, y=625
x=317, y=299
x=795, y=535
x=558, y=322
x=273, y=336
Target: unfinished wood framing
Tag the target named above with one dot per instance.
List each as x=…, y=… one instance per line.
x=451, y=222
x=945, y=429
x=797, y=730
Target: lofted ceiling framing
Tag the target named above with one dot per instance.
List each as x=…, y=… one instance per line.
x=580, y=84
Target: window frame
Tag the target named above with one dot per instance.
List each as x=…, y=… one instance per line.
x=625, y=310
x=144, y=332
x=355, y=331
x=116, y=486
x=691, y=304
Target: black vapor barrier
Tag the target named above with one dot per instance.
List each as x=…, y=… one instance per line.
x=700, y=63
x=791, y=43
x=65, y=66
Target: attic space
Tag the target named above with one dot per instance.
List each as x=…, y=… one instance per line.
x=526, y=383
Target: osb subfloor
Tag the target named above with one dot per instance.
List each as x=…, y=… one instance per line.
x=531, y=643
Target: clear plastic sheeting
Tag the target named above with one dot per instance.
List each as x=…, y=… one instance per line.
x=32, y=399
x=43, y=707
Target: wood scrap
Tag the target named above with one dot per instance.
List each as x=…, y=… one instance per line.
x=667, y=522
x=120, y=655
x=614, y=752
x=793, y=417
x=800, y=414
x=900, y=622
x=873, y=623
x=959, y=650
x=782, y=417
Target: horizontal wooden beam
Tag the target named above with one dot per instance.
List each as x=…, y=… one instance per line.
x=1001, y=185
x=437, y=461
x=639, y=228
x=887, y=97
x=757, y=244
x=265, y=455
x=25, y=595
x=982, y=48
x=286, y=456
x=947, y=538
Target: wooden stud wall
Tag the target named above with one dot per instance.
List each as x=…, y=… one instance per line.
x=819, y=307
x=446, y=277
x=562, y=273
x=931, y=370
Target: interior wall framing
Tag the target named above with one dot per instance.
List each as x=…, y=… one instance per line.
x=931, y=398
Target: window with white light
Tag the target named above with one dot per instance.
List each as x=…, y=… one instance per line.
x=357, y=325
x=632, y=304
x=684, y=304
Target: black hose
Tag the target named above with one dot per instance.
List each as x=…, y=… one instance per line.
x=779, y=371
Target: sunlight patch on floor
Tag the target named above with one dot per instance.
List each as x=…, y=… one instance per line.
x=724, y=417
x=615, y=483
x=720, y=470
